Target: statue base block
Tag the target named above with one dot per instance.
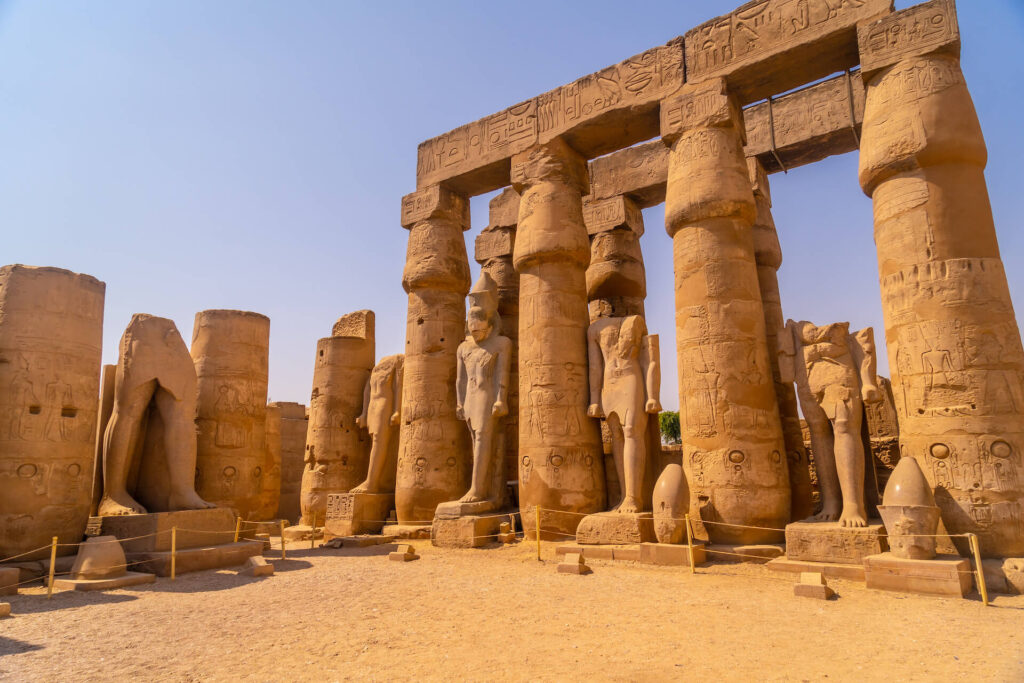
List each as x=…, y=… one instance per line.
x=830, y=570
x=351, y=514
x=196, y=559
x=302, y=532
x=195, y=528
x=831, y=543
x=9, y=579
x=123, y=581
x=754, y=554
x=406, y=531
x=470, y=531
x=661, y=554
x=946, y=575
x=456, y=509
x=616, y=528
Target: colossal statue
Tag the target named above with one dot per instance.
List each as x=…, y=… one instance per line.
x=834, y=372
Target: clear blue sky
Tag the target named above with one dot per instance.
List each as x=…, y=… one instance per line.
x=196, y=154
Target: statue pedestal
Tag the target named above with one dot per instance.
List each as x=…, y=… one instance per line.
x=616, y=528
x=828, y=542
x=204, y=540
x=470, y=531
x=351, y=514
x=946, y=575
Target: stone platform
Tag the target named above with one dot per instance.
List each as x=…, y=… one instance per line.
x=831, y=570
x=125, y=580
x=302, y=532
x=351, y=514
x=830, y=543
x=662, y=554
x=946, y=575
x=469, y=531
x=195, y=559
x=406, y=531
x=754, y=554
x=616, y=528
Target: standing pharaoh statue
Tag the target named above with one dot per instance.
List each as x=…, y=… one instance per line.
x=834, y=371
x=382, y=413
x=484, y=364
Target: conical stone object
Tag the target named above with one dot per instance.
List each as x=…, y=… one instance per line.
x=908, y=486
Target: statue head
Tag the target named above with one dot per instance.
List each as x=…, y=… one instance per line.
x=483, y=319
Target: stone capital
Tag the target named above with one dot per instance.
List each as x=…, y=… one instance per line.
x=434, y=201
x=504, y=209
x=927, y=28
x=495, y=243
x=602, y=215
x=759, y=179
x=701, y=105
x=551, y=161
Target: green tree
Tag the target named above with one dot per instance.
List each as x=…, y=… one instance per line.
x=668, y=421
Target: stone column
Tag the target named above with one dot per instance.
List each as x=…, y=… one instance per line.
x=231, y=350
x=270, y=487
x=294, y=424
x=768, y=255
x=434, y=457
x=560, y=465
x=337, y=450
x=953, y=341
x=51, y=329
x=732, y=435
x=494, y=247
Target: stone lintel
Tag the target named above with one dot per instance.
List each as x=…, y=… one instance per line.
x=435, y=201
x=495, y=243
x=601, y=215
x=922, y=29
x=703, y=105
x=599, y=113
x=504, y=209
x=771, y=46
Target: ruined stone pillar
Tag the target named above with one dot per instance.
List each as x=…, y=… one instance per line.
x=337, y=450
x=494, y=247
x=953, y=341
x=732, y=435
x=231, y=352
x=434, y=458
x=51, y=328
x=270, y=487
x=560, y=465
x=768, y=255
x=294, y=424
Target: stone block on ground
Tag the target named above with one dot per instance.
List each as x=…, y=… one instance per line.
x=5, y=609
x=671, y=555
x=195, y=528
x=756, y=553
x=831, y=570
x=256, y=566
x=995, y=577
x=9, y=579
x=403, y=553
x=572, y=563
x=616, y=528
x=406, y=531
x=196, y=559
x=1013, y=571
x=302, y=532
x=946, y=575
x=471, y=531
x=123, y=581
x=505, y=533
x=830, y=542
x=352, y=514
x=813, y=585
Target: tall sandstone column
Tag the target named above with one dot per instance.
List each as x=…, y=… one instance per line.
x=953, y=341
x=768, y=255
x=231, y=350
x=560, y=463
x=337, y=450
x=434, y=458
x=732, y=436
x=294, y=424
x=51, y=329
x=494, y=247
x=270, y=487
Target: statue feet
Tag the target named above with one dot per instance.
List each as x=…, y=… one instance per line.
x=829, y=513
x=472, y=497
x=119, y=504
x=188, y=500
x=362, y=488
x=628, y=506
x=853, y=519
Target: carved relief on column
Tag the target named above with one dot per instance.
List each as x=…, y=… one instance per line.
x=954, y=345
x=560, y=465
x=768, y=255
x=732, y=437
x=434, y=460
x=494, y=247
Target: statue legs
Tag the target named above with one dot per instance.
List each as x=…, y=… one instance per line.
x=483, y=454
x=629, y=452
x=378, y=455
x=119, y=445
x=838, y=458
x=180, y=446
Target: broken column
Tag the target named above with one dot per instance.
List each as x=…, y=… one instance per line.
x=768, y=256
x=231, y=354
x=494, y=247
x=732, y=436
x=51, y=328
x=294, y=424
x=953, y=341
x=434, y=458
x=270, y=487
x=561, y=468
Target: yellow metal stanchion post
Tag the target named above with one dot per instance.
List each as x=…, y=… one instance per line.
x=689, y=545
x=53, y=563
x=284, y=553
x=238, y=527
x=536, y=529
x=980, y=573
x=174, y=550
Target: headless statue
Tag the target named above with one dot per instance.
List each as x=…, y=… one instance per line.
x=835, y=374
x=625, y=386
x=382, y=412
x=154, y=370
x=484, y=365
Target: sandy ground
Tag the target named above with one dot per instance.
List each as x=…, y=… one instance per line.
x=499, y=614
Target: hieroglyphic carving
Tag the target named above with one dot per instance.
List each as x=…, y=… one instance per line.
x=601, y=215
x=917, y=30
